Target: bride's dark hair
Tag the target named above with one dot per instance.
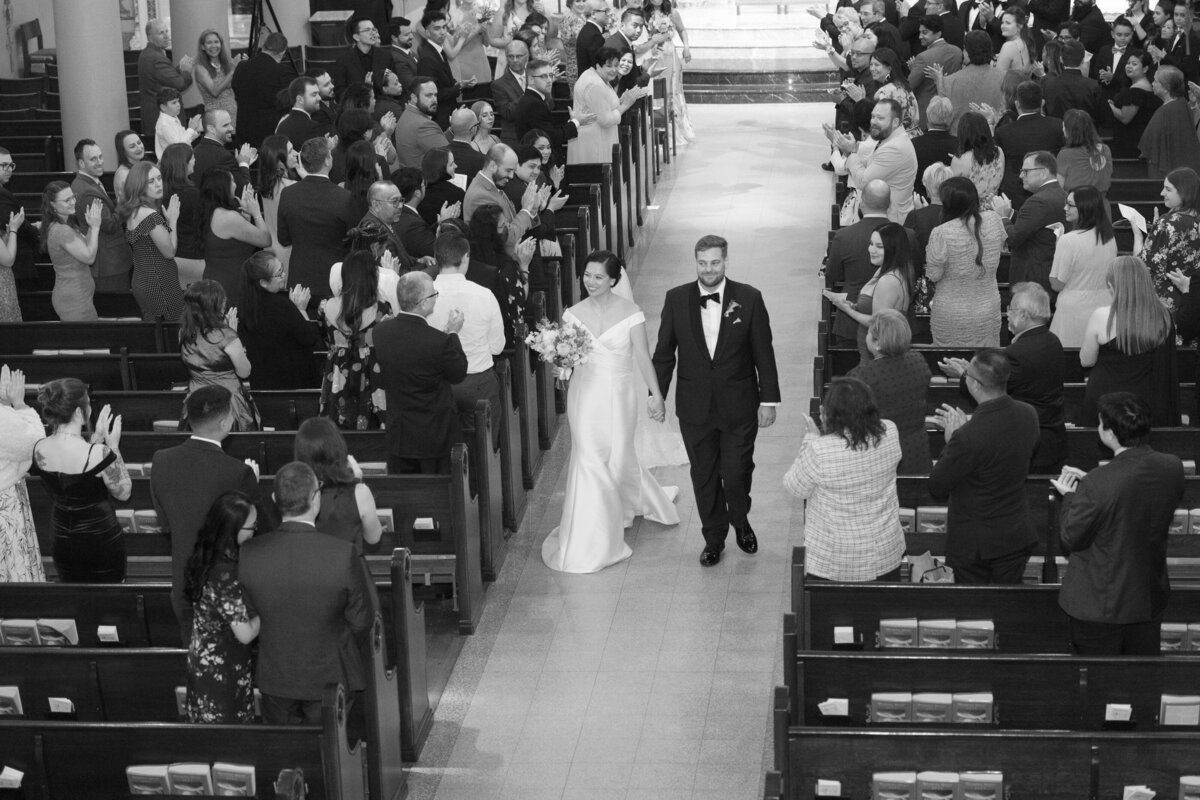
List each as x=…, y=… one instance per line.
x=609, y=260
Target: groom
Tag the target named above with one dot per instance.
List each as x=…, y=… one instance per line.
x=728, y=389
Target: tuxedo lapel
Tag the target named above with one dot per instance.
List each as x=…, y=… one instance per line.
x=726, y=318
x=693, y=312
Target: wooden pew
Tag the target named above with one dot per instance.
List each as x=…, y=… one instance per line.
x=141, y=613
x=486, y=463
x=525, y=394
x=69, y=760
x=547, y=413
x=589, y=196
x=603, y=176
x=280, y=410
x=97, y=371
x=1084, y=449
x=631, y=214
x=407, y=624
x=135, y=337
x=579, y=221
x=512, y=487
x=1073, y=394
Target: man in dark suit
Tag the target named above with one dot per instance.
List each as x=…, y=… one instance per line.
x=310, y=592
x=212, y=149
x=418, y=237
x=1094, y=31
x=938, y=51
x=418, y=365
x=1108, y=65
x=848, y=262
x=910, y=25
x=1035, y=360
x=432, y=62
x=1071, y=88
x=364, y=57
x=591, y=36
x=1028, y=132
x=467, y=160
x=1030, y=239
x=314, y=216
x=937, y=143
x=404, y=60
x=299, y=125
x=533, y=109
x=186, y=480
x=633, y=21
x=983, y=15
x=509, y=88
x=155, y=71
x=327, y=111
x=257, y=83
x=1114, y=526
x=982, y=470
x=114, y=259
x=719, y=332
x=1048, y=15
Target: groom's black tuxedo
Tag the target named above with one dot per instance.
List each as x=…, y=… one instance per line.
x=718, y=395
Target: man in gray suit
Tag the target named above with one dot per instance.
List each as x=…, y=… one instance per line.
x=510, y=87
x=499, y=168
x=937, y=52
x=416, y=132
x=114, y=259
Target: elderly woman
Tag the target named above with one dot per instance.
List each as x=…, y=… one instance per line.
x=593, y=94
x=846, y=473
x=900, y=380
x=1169, y=141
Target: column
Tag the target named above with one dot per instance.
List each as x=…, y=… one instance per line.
x=189, y=18
x=91, y=75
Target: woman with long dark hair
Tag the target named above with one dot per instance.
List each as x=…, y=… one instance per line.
x=72, y=251
x=488, y=246
x=846, y=474
x=220, y=676
x=1081, y=259
x=151, y=230
x=234, y=230
x=1174, y=238
x=979, y=158
x=1084, y=160
x=130, y=150
x=1134, y=106
x=277, y=163
x=362, y=170
x=891, y=286
x=351, y=391
x=347, y=505
x=177, y=164
x=274, y=327
x=212, y=351
x=438, y=168
x=887, y=71
x=962, y=258
x=213, y=73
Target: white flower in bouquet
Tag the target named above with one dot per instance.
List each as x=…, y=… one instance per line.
x=663, y=25
x=564, y=346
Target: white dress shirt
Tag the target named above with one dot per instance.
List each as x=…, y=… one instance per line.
x=168, y=131
x=710, y=316
x=482, y=334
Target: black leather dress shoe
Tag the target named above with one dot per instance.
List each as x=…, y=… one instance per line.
x=710, y=558
x=746, y=541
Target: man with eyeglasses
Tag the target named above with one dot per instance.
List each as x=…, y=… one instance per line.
x=27, y=234
x=1031, y=240
x=533, y=110
x=364, y=61
x=1030, y=131
x=433, y=61
x=467, y=160
x=510, y=87
x=982, y=470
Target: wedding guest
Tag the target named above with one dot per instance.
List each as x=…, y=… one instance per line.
x=220, y=685
x=362, y=170
x=1019, y=50
x=438, y=167
x=234, y=229
x=152, y=232
x=937, y=145
x=1169, y=141
x=213, y=73
x=899, y=379
x=846, y=473
x=888, y=74
x=1174, y=238
x=114, y=258
x=348, y=508
x=977, y=82
x=83, y=478
x=962, y=258
x=978, y=158
x=1133, y=107
x=170, y=127
x=10, y=309
x=484, y=140
x=20, y=429
x=130, y=150
x=72, y=252
x=1084, y=160
x=349, y=389
x=274, y=327
x=1081, y=262
x=891, y=285
x=212, y=351
x=277, y=162
x=176, y=165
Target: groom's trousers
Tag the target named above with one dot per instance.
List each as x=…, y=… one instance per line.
x=722, y=466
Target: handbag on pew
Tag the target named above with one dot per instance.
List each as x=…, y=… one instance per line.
x=290, y=785
x=927, y=569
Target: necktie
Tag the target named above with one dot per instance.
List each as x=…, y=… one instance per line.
x=715, y=297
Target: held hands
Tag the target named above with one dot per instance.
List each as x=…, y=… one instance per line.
x=656, y=408
x=93, y=214
x=1068, y=481
x=953, y=367
x=450, y=211
x=300, y=297
x=951, y=419
x=454, y=322
x=1182, y=281
x=557, y=173
x=108, y=429
x=196, y=124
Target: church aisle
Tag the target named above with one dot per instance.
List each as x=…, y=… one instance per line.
x=652, y=679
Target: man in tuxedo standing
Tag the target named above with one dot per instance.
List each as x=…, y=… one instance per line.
x=983, y=15
x=256, y=84
x=719, y=333
x=1072, y=88
x=591, y=35
x=314, y=215
x=1108, y=65
x=432, y=61
x=186, y=480
x=114, y=259
x=533, y=109
x=1031, y=240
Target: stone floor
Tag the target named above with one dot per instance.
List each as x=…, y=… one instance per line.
x=653, y=678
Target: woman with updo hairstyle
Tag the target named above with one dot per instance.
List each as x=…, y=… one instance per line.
x=274, y=327
x=1134, y=106
x=484, y=140
x=20, y=430
x=220, y=675
x=438, y=167
x=1019, y=50
x=352, y=390
x=347, y=505
x=213, y=353
x=83, y=477
x=846, y=474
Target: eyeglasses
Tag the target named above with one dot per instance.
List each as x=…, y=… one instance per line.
x=1026, y=170
x=429, y=297
x=8, y=165
x=1070, y=204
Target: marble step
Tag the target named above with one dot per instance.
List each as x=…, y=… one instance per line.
x=734, y=86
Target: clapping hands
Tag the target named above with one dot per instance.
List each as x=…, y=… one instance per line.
x=93, y=214
x=1181, y=280
x=1068, y=481
x=12, y=388
x=108, y=429
x=951, y=419
x=247, y=155
x=300, y=297
x=231, y=317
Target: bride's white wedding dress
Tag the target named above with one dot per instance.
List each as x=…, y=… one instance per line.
x=606, y=486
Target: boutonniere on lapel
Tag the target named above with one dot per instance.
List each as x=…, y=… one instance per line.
x=731, y=309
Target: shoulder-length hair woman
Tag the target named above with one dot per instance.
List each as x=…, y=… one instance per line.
x=348, y=508
x=274, y=165
x=1092, y=209
x=1138, y=322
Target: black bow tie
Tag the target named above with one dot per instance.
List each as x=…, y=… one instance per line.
x=715, y=297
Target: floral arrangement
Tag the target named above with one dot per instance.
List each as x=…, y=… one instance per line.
x=663, y=25
x=486, y=9
x=566, y=345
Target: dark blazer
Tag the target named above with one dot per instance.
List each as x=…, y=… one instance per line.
x=256, y=84
x=1184, y=53
x=185, y=481
x=910, y=29
x=467, y=160
x=437, y=194
x=982, y=470
x=1031, y=243
x=348, y=68
x=418, y=235
x=1094, y=31
x=1104, y=60
x=281, y=346
x=587, y=45
x=1114, y=528
x=113, y=256
x=1072, y=89
x=533, y=111
x=931, y=146
x=299, y=127
x=920, y=222
x=27, y=235
x=156, y=72
x=1049, y=14
x=310, y=590
x=492, y=279
x=992, y=28
x=849, y=265
x=432, y=65
x=404, y=65
x=729, y=385
x=619, y=43
x=1025, y=134
x=418, y=364
x=314, y=215
x=211, y=153
x=506, y=91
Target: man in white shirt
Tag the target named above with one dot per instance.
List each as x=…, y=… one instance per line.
x=482, y=334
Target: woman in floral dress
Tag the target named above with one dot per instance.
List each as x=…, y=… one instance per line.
x=665, y=19
x=20, y=429
x=1174, y=238
x=352, y=391
x=569, y=26
x=220, y=686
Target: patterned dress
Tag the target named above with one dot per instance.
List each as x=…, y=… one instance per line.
x=966, y=306
x=225, y=100
x=568, y=32
x=155, y=281
x=673, y=61
x=20, y=558
x=220, y=687
x=352, y=390
x=1172, y=243
x=908, y=105
x=209, y=365
x=986, y=178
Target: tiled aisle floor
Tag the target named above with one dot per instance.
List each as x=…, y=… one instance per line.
x=652, y=679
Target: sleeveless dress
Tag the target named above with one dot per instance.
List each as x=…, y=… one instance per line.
x=865, y=304
x=673, y=61
x=155, y=282
x=88, y=544
x=1152, y=376
x=220, y=684
x=20, y=555
x=965, y=311
x=225, y=100
x=209, y=365
x=352, y=392
x=223, y=260
x=10, y=306
x=74, y=286
x=339, y=518
x=606, y=486
x=1081, y=263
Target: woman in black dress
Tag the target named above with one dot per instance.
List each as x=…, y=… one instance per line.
x=234, y=230
x=152, y=232
x=177, y=164
x=274, y=327
x=220, y=686
x=439, y=168
x=82, y=476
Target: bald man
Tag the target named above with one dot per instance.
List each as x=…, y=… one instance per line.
x=487, y=189
x=510, y=87
x=467, y=159
x=591, y=35
x=155, y=71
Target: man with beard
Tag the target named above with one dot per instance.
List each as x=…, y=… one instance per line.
x=211, y=150
x=432, y=61
x=300, y=124
x=326, y=113
x=404, y=60
x=416, y=131
x=893, y=161
x=487, y=189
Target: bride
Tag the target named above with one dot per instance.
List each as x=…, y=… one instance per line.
x=606, y=486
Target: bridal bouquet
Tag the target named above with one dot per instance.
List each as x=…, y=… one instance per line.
x=484, y=11
x=566, y=345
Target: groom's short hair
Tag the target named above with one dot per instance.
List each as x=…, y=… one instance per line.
x=711, y=241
